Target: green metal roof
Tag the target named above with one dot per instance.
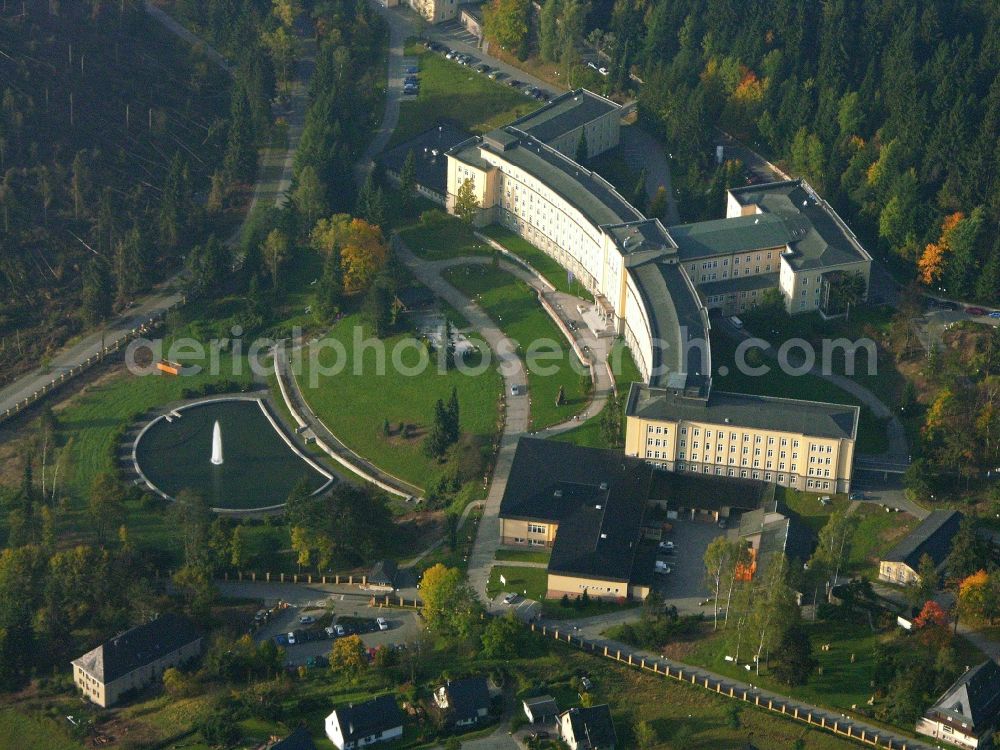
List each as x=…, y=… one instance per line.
x=727, y=236
x=564, y=114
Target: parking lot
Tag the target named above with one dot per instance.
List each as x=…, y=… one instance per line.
x=404, y=625
x=684, y=587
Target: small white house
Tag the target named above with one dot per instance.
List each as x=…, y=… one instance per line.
x=363, y=724
x=540, y=709
x=967, y=714
x=588, y=728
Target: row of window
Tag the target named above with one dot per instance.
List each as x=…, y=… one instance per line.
x=767, y=476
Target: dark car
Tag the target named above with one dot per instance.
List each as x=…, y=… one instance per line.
x=515, y=84
x=977, y=311
x=410, y=69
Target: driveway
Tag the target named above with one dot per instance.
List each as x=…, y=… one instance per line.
x=684, y=587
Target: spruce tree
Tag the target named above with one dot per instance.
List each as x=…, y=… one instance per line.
x=582, y=149
x=408, y=180
x=330, y=292
x=436, y=442
x=454, y=422
x=240, y=160
x=97, y=292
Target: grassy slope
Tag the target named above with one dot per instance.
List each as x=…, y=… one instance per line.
x=354, y=404
x=21, y=730
x=544, y=264
x=457, y=94
x=513, y=305
x=449, y=238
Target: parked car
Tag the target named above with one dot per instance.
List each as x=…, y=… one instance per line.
x=591, y=64
x=977, y=311
x=483, y=68
x=410, y=70
x=510, y=599
x=382, y=623
x=586, y=684
x=994, y=314
x=543, y=735
x=260, y=616
x=516, y=390
x=450, y=54
x=281, y=639
x=515, y=84
x=661, y=568
x=340, y=630
x=290, y=639
x=330, y=631
x=722, y=523
x=494, y=74
x=307, y=620
x=602, y=70
x=665, y=546
x=409, y=88
x=856, y=496
x=735, y=322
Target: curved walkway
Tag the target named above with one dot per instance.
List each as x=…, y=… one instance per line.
x=515, y=411
x=591, y=350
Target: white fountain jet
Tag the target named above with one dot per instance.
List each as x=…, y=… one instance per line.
x=217, y=444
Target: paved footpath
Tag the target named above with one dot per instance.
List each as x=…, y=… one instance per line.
x=515, y=411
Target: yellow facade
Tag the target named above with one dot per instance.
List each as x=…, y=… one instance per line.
x=530, y=533
x=790, y=459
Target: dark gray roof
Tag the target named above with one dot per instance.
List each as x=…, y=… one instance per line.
x=384, y=573
x=565, y=113
x=819, y=237
x=741, y=284
x=542, y=705
x=467, y=697
x=593, y=728
x=431, y=170
x=727, y=236
x=598, y=498
x=973, y=702
x=932, y=537
x=139, y=646
x=300, y=739
x=676, y=320
x=371, y=717
x=587, y=191
x=681, y=490
x=737, y=410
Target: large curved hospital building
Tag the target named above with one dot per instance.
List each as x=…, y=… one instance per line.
x=656, y=285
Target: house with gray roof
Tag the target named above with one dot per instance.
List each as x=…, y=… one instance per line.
x=588, y=728
x=136, y=658
x=932, y=538
x=363, y=724
x=968, y=712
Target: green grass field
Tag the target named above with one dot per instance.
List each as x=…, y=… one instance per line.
x=529, y=582
x=876, y=533
x=456, y=94
x=514, y=306
x=524, y=555
x=442, y=238
x=355, y=403
x=20, y=730
x=871, y=431
x=554, y=273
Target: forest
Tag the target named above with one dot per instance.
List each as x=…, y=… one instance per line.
x=890, y=108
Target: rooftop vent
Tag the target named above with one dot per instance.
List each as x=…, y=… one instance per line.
x=557, y=493
x=604, y=486
x=604, y=536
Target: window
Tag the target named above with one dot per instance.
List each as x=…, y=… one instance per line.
x=536, y=528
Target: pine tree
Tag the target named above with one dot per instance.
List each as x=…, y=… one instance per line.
x=377, y=210
x=639, y=195
x=548, y=31
x=408, y=180
x=309, y=197
x=129, y=265
x=436, y=442
x=366, y=196
x=240, y=161
x=97, y=292
x=376, y=309
x=454, y=422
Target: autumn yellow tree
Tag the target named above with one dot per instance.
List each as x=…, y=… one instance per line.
x=979, y=596
x=932, y=261
x=348, y=656
x=363, y=250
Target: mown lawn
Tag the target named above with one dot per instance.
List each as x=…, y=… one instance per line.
x=355, y=402
x=807, y=507
x=524, y=555
x=841, y=684
x=529, y=582
x=876, y=532
x=456, y=94
x=515, y=308
x=20, y=730
x=554, y=273
x=443, y=237
x=871, y=431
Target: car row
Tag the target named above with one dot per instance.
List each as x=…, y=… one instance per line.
x=330, y=632
x=494, y=73
x=599, y=68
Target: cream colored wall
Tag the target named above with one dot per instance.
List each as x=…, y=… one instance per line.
x=514, y=529
x=108, y=694
x=811, y=463
x=897, y=572
x=595, y=588
x=603, y=134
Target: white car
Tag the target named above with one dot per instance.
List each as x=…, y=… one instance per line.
x=382, y=624
x=602, y=70
x=291, y=639
x=339, y=630
x=665, y=546
x=330, y=632
x=510, y=599
x=307, y=620
x=661, y=568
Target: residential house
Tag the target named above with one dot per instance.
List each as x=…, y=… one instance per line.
x=464, y=702
x=967, y=714
x=136, y=658
x=540, y=709
x=300, y=739
x=932, y=538
x=588, y=728
x=362, y=724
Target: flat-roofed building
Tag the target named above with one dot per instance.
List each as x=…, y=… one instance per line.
x=655, y=285
x=588, y=506
x=807, y=445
